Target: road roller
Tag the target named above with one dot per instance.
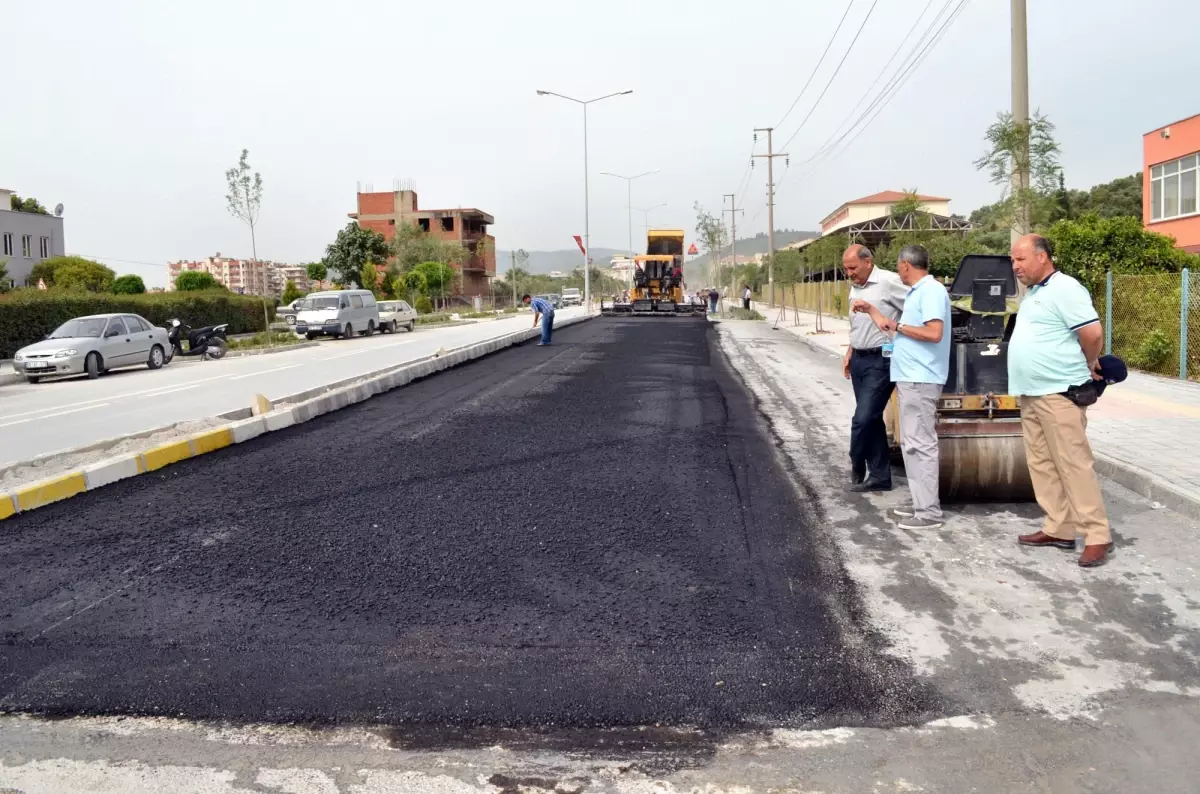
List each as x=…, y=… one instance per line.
x=981, y=450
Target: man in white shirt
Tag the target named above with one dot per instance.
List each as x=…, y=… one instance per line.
x=746, y=297
x=867, y=367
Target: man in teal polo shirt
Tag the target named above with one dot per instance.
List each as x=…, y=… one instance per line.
x=1054, y=349
x=919, y=368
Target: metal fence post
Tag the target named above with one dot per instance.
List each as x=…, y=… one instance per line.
x=1185, y=295
x=1108, y=313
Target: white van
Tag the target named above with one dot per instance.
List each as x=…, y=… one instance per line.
x=341, y=313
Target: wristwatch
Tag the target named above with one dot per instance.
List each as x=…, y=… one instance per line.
x=898, y=327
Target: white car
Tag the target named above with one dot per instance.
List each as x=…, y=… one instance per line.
x=344, y=313
x=572, y=296
x=394, y=315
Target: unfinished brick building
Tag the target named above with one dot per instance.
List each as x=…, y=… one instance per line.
x=383, y=212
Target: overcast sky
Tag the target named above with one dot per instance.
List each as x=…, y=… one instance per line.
x=129, y=112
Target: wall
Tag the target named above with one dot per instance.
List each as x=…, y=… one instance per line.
x=1184, y=140
x=37, y=226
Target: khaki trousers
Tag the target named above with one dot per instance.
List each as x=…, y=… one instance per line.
x=1062, y=469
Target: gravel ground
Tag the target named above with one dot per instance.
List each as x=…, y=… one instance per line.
x=588, y=535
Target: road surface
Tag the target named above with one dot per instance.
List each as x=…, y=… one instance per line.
x=37, y=419
x=591, y=533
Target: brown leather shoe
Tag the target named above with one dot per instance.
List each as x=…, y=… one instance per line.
x=1095, y=555
x=1040, y=538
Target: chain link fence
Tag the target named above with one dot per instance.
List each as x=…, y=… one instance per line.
x=1153, y=322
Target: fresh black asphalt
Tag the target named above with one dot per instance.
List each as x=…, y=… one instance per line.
x=593, y=534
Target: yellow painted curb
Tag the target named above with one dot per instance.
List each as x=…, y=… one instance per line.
x=210, y=441
x=167, y=454
x=7, y=506
x=47, y=491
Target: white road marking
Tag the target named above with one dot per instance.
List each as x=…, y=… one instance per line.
x=264, y=372
x=48, y=416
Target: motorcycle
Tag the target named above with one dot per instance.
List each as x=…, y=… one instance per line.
x=208, y=343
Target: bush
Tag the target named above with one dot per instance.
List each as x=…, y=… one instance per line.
x=423, y=305
x=27, y=316
x=265, y=339
x=738, y=313
x=433, y=319
x=129, y=285
x=1155, y=353
x=196, y=281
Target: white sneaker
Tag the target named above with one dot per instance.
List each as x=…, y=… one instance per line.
x=902, y=512
x=918, y=524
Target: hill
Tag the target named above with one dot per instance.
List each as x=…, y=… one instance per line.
x=749, y=246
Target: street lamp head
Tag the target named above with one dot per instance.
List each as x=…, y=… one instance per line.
x=542, y=93
x=630, y=91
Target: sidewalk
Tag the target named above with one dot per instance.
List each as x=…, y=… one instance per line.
x=1144, y=431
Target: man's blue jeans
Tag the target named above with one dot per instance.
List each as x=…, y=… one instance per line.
x=871, y=376
x=712, y=305
x=547, y=327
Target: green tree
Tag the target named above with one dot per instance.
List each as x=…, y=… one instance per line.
x=290, y=292
x=712, y=234
x=1121, y=196
x=4, y=280
x=26, y=205
x=195, y=281
x=414, y=283
x=368, y=276
x=47, y=271
x=353, y=248
x=245, y=196
x=317, y=271
x=129, y=284
x=909, y=205
x=423, y=305
x=83, y=274
x=438, y=276
x=1087, y=248
x=1028, y=147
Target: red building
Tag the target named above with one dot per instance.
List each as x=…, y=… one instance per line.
x=1171, y=181
x=383, y=212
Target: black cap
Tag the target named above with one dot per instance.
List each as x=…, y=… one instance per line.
x=1113, y=369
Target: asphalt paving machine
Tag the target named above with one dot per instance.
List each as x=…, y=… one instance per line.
x=657, y=289
x=981, y=449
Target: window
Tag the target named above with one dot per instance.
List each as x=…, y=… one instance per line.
x=27, y=245
x=135, y=324
x=1173, y=188
x=8, y=244
x=423, y=223
x=447, y=224
x=45, y=248
x=356, y=301
x=115, y=327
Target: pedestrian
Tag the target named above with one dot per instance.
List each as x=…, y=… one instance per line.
x=542, y=310
x=1053, y=366
x=713, y=297
x=868, y=369
x=746, y=297
x=919, y=368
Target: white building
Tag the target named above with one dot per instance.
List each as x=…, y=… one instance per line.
x=878, y=205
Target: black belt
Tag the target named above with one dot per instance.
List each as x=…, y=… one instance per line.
x=868, y=351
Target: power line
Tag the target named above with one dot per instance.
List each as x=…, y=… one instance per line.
x=819, y=62
x=122, y=261
x=833, y=76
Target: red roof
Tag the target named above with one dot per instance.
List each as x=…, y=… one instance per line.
x=891, y=197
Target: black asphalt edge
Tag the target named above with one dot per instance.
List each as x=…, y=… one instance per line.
x=244, y=424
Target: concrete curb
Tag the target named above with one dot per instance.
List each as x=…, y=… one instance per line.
x=243, y=425
x=266, y=351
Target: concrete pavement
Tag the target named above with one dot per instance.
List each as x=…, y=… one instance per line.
x=1143, y=431
x=38, y=419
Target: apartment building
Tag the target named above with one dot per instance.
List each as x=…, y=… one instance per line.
x=1171, y=182
x=27, y=238
x=383, y=212
x=244, y=276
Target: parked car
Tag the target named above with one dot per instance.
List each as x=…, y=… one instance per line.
x=394, y=315
x=93, y=345
x=341, y=313
x=288, y=312
x=553, y=300
x=572, y=296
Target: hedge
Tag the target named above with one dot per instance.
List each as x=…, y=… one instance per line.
x=28, y=316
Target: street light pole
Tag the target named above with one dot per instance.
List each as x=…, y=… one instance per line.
x=587, y=237
x=629, y=198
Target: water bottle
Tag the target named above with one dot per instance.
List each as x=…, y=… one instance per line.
x=886, y=349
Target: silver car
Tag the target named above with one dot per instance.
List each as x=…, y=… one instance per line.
x=92, y=345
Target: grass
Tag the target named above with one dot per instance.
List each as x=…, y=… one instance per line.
x=436, y=318
x=739, y=313
x=264, y=340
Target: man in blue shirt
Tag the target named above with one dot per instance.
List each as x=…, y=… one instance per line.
x=545, y=312
x=1054, y=351
x=919, y=368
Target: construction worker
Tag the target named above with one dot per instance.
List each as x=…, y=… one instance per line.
x=542, y=311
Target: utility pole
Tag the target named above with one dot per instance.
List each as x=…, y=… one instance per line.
x=733, y=210
x=771, y=155
x=513, y=273
x=1020, y=117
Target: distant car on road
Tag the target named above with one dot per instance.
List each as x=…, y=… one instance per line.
x=94, y=344
x=553, y=300
x=394, y=315
x=288, y=313
x=341, y=313
x=572, y=296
